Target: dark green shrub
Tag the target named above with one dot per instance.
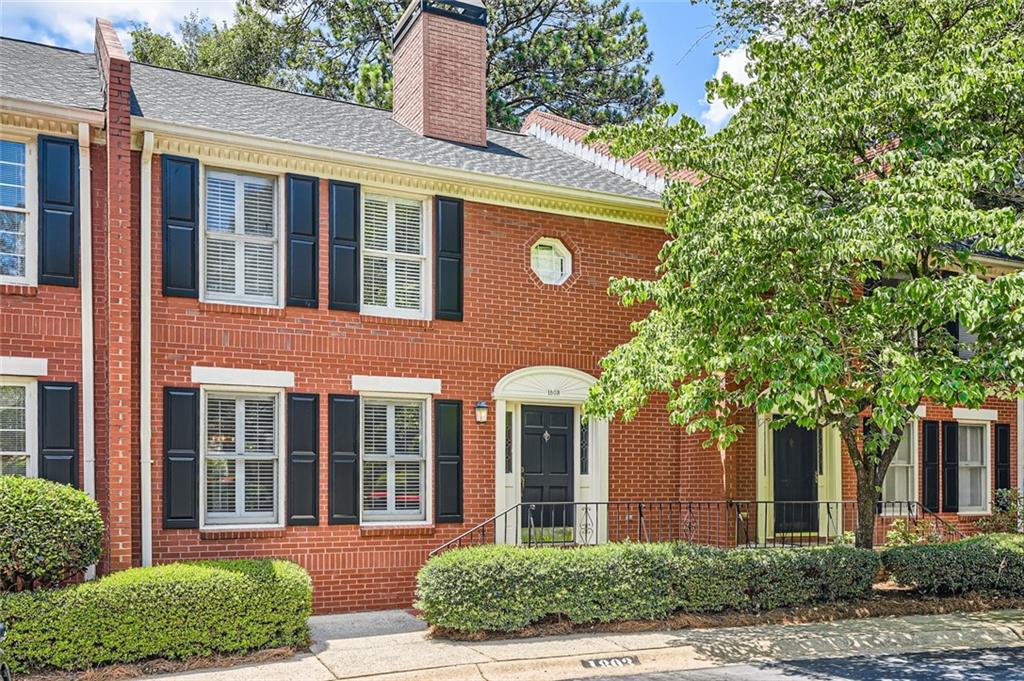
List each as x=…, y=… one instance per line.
x=502, y=588
x=171, y=611
x=48, y=532
x=987, y=563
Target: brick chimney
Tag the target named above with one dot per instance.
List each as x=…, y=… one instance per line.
x=439, y=64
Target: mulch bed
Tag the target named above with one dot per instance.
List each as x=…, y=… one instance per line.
x=887, y=599
x=120, y=672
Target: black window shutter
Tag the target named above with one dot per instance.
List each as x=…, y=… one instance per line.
x=950, y=467
x=1002, y=456
x=180, y=209
x=448, y=451
x=344, y=251
x=303, y=195
x=343, y=471
x=58, y=211
x=448, y=292
x=181, y=458
x=58, y=432
x=303, y=475
x=930, y=465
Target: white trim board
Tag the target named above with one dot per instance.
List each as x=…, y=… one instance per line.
x=396, y=384
x=975, y=414
x=245, y=377
x=23, y=366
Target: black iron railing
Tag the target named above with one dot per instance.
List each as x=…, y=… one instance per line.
x=713, y=523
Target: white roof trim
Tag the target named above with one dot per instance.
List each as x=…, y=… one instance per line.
x=244, y=377
x=23, y=366
x=650, y=181
x=396, y=384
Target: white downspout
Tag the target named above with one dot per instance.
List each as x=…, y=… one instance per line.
x=145, y=351
x=88, y=355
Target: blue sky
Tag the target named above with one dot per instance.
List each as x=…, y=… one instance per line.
x=682, y=59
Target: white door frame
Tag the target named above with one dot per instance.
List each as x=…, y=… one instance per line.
x=554, y=386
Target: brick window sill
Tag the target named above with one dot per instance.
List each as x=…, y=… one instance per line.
x=395, y=322
x=23, y=290
x=397, y=530
x=241, y=309
x=255, y=533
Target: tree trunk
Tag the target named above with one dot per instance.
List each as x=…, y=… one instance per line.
x=867, y=506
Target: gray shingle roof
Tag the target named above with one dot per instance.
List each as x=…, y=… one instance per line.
x=59, y=76
x=49, y=74
x=192, y=99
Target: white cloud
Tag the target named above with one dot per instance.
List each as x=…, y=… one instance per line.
x=70, y=23
x=716, y=114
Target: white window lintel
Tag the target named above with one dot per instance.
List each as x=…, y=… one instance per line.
x=23, y=366
x=975, y=414
x=244, y=377
x=396, y=384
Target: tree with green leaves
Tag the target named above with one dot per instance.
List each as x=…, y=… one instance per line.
x=253, y=49
x=864, y=195
x=584, y=59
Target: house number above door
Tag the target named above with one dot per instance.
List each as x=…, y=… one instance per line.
x=554, y=392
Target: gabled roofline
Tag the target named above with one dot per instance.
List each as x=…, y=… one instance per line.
x=257, y=152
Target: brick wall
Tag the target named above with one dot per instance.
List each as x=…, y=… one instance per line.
x=511, y=321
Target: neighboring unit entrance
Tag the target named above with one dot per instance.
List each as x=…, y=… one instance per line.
x=547, y=464
x=796, y=479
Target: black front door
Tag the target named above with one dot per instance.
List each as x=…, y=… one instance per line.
x=796, y=481
x=547, y=466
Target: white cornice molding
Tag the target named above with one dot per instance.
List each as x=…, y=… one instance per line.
x=263, y=154
x=21, y=115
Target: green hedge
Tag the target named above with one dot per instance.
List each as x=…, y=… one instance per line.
x=503, y=588
x=48, y=532
x=171, y=611
x=987, y=563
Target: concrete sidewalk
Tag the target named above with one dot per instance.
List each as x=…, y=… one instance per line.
x=393, y=645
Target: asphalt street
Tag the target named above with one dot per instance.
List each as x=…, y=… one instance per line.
x=992, y=664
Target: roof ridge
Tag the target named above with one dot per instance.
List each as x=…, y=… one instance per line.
x=39, y=44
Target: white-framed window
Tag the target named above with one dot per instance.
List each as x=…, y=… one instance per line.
x=18, y=435
x=394, y=455
x=17, y=212
x=242, y=457
x=242, y=234
x=899, y=488
x=972, y=467
x=551, y=261
x=394, y=256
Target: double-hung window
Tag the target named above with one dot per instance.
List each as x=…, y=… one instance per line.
x=17, y=427
x=972, y=442
x=393, y=460
x=241, y=239
x=17, y=236
x=394, y=257
x=900, y=486
x=242, y=458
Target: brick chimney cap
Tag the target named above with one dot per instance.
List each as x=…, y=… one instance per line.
x=470, y=11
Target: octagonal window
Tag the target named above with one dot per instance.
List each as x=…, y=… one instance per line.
x=551, y=261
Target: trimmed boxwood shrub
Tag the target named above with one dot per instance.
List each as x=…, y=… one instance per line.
x=48, y=532
x=171, y=611
x=987, y=563
x=504, y=588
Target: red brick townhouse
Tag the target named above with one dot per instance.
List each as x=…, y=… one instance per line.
x=258, y=323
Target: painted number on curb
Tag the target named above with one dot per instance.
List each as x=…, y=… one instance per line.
x=624, y=661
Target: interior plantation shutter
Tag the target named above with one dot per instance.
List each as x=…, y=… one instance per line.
x=181, y=458
x=448, y=292
x=58, y=432
x=448, y=450
x=950, y=467
x=303, y=469
x=180, y=211
x=58, y=211
x=343, y=258
x=343, y=462
x=303, y=212
x=1002, y=456
x=930, y=465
